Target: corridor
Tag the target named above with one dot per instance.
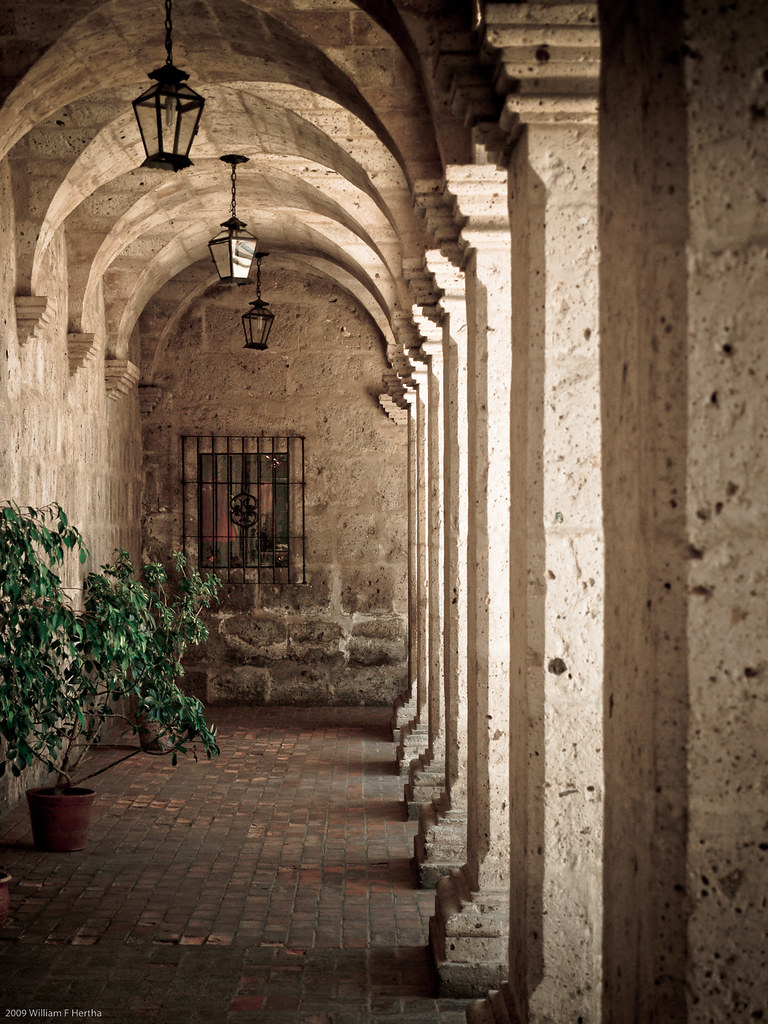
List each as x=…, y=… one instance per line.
x=273, y=884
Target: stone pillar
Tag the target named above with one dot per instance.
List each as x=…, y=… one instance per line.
x=557, y=578
x=468, y=934
x=405, y=709
x=441, y=843
x=414, y=734
x=684, y=296
x=558, y=594
x=427, y=772
x=726, y=502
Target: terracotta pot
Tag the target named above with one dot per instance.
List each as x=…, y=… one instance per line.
x=5, y=897
x=149, y=736
x=60, y=818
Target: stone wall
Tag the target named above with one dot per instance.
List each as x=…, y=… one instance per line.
x=340, y=638
x=64, y=437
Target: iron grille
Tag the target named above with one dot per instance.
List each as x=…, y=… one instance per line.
x=244, y=507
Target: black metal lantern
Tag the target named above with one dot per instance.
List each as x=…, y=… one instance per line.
x=233, y=249
x=168, y=113
x=257, y=322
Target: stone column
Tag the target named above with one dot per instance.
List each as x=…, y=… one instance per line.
x=468, y=933
x=404, y=711
x=441, y=843
x=556, y=735
x=427, y=772
x=684, y=296
x=414, y=734
x=726, y=502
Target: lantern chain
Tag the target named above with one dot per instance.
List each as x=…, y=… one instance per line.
x=168, y=31
x=234, y=189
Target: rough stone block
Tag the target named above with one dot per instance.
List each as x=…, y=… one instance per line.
x=245, y=684
x=372, y=651
x=367, y=591
x=253, y=639
x=381, y=628
x=311, y=598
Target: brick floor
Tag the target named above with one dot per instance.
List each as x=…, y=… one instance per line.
x=272, y=885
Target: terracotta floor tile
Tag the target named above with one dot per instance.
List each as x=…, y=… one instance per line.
x=274, y=883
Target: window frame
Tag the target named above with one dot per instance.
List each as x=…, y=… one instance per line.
x=233, y=500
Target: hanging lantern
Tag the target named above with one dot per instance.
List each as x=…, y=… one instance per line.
x=257, y=322
x=233, y=249
x=168, y=113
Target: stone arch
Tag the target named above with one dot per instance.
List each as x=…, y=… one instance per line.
x=327, y=268
x=178, y=253
x=102, y=51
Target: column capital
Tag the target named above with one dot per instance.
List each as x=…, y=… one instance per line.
x=479, y=192
x=428, y=324
x=419, y=367
x=546, y=60
x=467, y=86
x=149, y=396
x=33, y=314
x=436, y=207
x=395, y=386
x=421, y=282
x=81, y=350
x=448, y=277
x=394, y=410
x=121, y=376
x=405, y=332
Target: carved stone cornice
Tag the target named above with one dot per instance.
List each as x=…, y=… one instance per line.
x=120, y=376
x=33, y=314
x=81, y=350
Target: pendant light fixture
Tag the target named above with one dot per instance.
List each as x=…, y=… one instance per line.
x=233, y=249
x=168, y=113
x=257, y=322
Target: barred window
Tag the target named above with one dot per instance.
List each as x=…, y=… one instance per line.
x=244, y=507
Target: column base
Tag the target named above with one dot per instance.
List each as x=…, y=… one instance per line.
x=426, y=782
x=403, y=712
x=497, y=1008
x=414, y=740
x=468, y=938
x=440, y=845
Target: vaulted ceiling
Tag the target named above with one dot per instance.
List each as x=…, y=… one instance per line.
x=333, y=102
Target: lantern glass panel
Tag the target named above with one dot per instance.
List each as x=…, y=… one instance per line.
x=168, y=114
x=257, y=323
x=233, y=251
x=242, y=250
x=220, y=252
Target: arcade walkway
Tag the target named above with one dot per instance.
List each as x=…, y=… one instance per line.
x=271, y=885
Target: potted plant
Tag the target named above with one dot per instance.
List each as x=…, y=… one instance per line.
x=65, y=669
x=165, y=621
